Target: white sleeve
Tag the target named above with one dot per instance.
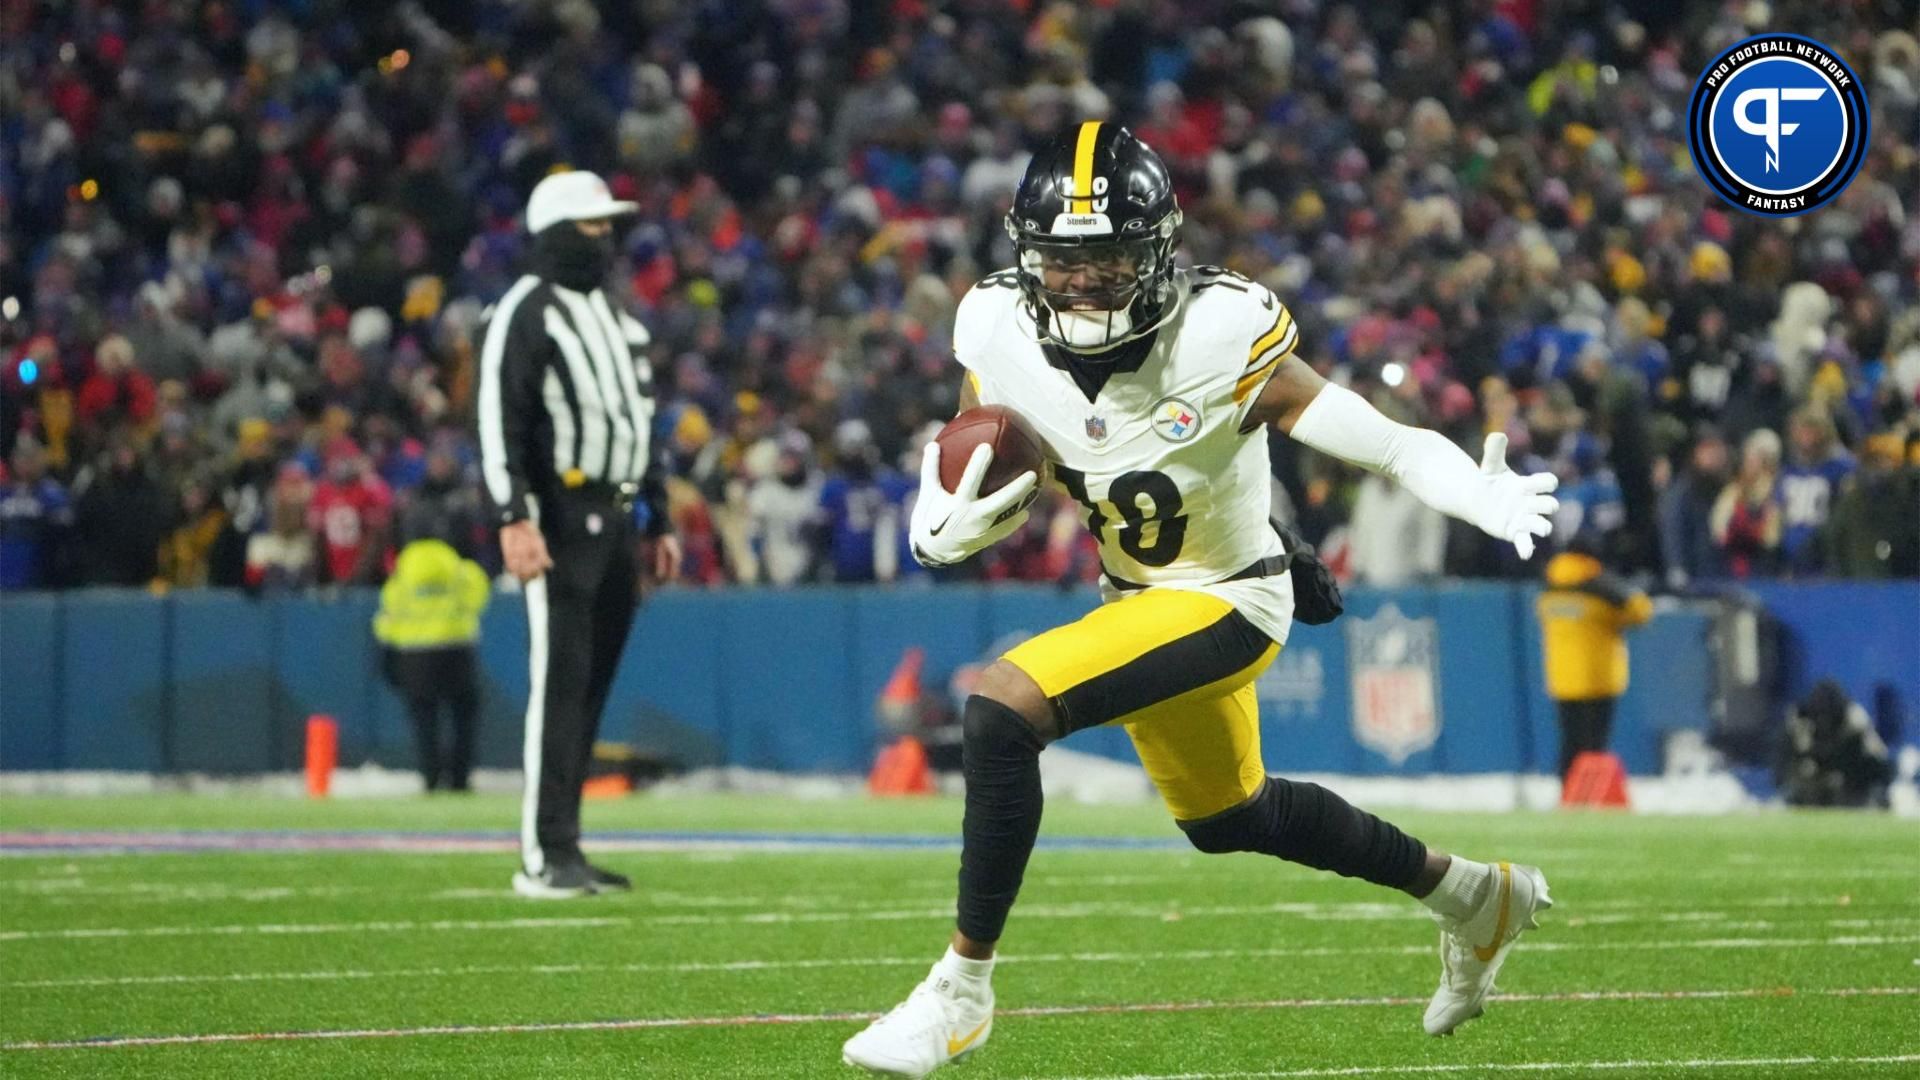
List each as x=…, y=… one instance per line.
x=973, y=323
x=1275, y=336
x=1341, y=423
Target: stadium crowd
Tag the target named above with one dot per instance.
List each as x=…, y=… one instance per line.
x=246, y=250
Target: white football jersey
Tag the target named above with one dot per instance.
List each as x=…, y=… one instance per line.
x=1175, y=495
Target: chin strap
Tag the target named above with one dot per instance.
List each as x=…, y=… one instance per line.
x=1033, y=309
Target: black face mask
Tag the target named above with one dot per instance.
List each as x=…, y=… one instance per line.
x=571, y=258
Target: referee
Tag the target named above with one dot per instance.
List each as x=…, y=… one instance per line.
x=565, y=414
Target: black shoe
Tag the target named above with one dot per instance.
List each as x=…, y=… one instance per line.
x=558, y=881
x=605, y=880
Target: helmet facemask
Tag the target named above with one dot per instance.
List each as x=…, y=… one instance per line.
x=1092, y=295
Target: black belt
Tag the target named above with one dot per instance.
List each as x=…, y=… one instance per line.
x=622, y=496
x=1267, y=567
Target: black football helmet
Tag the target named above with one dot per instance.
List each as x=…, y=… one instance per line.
x=1096, y=214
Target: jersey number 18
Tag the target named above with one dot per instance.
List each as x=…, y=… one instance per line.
x=1124, y=496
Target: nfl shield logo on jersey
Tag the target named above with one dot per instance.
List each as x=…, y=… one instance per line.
x=1097, y=428
x=1394, y=663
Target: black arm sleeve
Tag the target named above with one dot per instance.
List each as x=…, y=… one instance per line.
x=508, y=413
x=653, y=492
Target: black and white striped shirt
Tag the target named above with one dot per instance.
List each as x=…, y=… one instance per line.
x=566, y=396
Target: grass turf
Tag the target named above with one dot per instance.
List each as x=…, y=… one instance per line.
x=1275, y=969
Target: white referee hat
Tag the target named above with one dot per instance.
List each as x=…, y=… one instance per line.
x=572, y=196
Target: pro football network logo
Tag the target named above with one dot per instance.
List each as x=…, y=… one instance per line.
x=1778, y=125
x=1175, y=420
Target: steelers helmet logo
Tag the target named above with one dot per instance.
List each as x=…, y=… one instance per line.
x=1778, y=125
x=1175, y=420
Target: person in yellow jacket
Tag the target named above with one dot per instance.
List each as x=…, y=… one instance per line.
x=428, y=626
x=1584, y=614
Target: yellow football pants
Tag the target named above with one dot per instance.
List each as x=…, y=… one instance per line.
x=1176, y=669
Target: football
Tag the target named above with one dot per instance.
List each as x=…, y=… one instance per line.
x=1016, y=449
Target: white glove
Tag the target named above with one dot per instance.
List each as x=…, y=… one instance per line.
x=1493, y=498
x=1513, y=507
x=948, y=526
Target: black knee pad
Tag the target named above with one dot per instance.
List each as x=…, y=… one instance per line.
x=1243, y=828
x=1309, y=825
x=991, y=728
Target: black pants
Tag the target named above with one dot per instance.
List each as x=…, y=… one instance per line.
x=579, y=614
x=429, y=680
x=1584, y=725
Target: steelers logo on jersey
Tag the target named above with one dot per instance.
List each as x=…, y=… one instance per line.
x=1175, y=420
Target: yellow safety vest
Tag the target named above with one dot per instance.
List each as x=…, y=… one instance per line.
x=433, y=599
x=1582, y=614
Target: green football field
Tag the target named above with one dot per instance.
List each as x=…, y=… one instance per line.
x=276, y=938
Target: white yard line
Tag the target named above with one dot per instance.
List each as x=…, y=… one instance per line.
x=1525, y=1067
x=1823, y=900
x=734, y=966
x=1177, y=911
x=73, y=890
x=1711, y=873
x=804, y=908
x=1331, y=912
x=1311, y=912
x=390, y=926
x=1722, y=920
x=849, y=1017
x=60, y=887
x=1573, y=862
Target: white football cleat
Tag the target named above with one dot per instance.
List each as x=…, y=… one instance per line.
x=938, y=1023
x=1472, y=950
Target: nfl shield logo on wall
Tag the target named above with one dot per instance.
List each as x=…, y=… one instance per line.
x=1394, y=662
x=1097, y=428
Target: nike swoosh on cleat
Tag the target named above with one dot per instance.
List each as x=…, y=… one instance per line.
x=1485, y=954
x=954, y=1046
x=935, y=531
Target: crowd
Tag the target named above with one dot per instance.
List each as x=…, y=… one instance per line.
x=246, y=251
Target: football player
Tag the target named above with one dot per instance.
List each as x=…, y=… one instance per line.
x=1153, y=386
